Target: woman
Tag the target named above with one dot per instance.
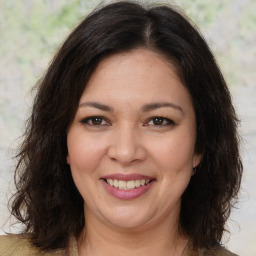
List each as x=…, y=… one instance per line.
x=131, y=147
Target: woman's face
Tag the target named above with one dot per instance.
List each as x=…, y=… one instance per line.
x=131, y=146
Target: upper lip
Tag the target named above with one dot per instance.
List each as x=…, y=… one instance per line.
x=127, y=177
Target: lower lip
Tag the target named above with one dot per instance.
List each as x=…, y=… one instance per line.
x=127, y=194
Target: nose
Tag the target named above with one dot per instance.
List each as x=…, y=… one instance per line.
x=126, y=146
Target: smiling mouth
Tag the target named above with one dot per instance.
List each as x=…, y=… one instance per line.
x=127, y=185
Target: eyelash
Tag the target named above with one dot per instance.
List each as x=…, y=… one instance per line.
x=89, y=119
x=165, y=121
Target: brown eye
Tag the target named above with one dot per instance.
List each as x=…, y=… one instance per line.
x=95, y=121
x=160, y=121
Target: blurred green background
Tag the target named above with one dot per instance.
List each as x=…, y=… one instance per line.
x=32, y=30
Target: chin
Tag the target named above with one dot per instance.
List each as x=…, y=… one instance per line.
x=128, y=224
x=127, y=219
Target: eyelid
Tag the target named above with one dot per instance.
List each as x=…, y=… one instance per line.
x=87, y=119
x=168, y=120
x=106, y=122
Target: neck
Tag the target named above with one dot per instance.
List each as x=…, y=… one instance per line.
x=158, y=239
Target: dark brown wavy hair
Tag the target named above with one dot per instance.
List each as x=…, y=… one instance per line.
x=47, y=200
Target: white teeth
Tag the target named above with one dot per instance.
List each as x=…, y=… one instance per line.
x=122, y=184
x=130, y=184
x=127, y=185
x=116, y=183
x=137, y=183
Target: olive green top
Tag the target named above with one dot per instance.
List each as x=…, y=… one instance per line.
x=20, y=245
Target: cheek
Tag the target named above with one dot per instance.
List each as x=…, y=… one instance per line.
x=174, y=152
x=84, y=152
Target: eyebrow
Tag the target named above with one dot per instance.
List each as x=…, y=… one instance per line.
x=97, y=105
x=145, y=108
x=156, y=105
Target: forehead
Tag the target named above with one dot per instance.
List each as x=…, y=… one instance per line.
x=137, y=75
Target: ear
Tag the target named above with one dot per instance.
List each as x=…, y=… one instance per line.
x=196, y=159
x=68, y=159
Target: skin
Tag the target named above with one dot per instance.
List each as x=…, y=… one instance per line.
x=127, y=140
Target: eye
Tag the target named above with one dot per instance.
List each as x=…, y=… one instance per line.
x=95, y=121
x=160, y=121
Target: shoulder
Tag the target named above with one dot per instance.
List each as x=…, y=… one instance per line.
x=20, y=245
x=13, y=245
x=218, y=251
